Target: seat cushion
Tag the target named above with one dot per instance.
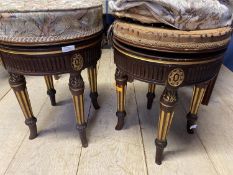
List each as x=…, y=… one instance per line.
x=180, y=14
x=49, y=21
x=171, y=40
x=138, y=13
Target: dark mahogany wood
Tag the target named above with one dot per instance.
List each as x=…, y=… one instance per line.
x=48, y=60
x=173, y=70
x=209, y=91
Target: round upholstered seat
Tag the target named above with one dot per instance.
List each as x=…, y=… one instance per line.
x=50, y=37
x=172, y=40
x=170, y=57
x=40, y=22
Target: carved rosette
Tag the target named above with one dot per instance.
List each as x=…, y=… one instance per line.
x=77, y=62
x=176, y=77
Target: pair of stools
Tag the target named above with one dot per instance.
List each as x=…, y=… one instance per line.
x=44, y=42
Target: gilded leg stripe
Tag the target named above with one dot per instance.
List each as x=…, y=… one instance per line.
x=192, y=101
x=123, y=100
x=26, y=104
x=120, y=90
x=196, y=93
x=30, y=106
x=95, y=80
x=21, y=104
x=118, y=101
x=76, y=102
x=165, y=124
x=165, y=121
x=120, y=93
x=165, y=130
x=200, y=97
x=158, y=127
x=170, y=122
x=91, y=80
x=75, y=109
x=49, y=82
x=161, y=124
x=81, y=109
x=46, y=82
x=92, y=76
x=151, y=88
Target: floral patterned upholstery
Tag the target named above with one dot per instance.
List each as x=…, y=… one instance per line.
x=49, y=21
x=180, y=14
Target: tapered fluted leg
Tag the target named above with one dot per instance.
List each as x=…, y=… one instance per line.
x=208, y=92
x=168, y=101
x=76, y=85
x=150, y=95
x=18, y=84
x=92, y=76
x=50, y=89
x=198, y=94
x=121, y=83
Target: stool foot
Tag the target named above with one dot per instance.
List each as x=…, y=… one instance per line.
x=121, y=120
x=94, y=96
x=198, y=94
x=51, y=93
x=191, y=123
x=82, y=135
x=150, y=99
x=50, y=89
x=31, y=123
x=159, y=151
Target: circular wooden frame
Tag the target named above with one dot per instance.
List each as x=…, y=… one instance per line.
x=157, y=67
x=48, y=60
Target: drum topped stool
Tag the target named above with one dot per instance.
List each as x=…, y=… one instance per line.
x=48, y=38
x=173, y=58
